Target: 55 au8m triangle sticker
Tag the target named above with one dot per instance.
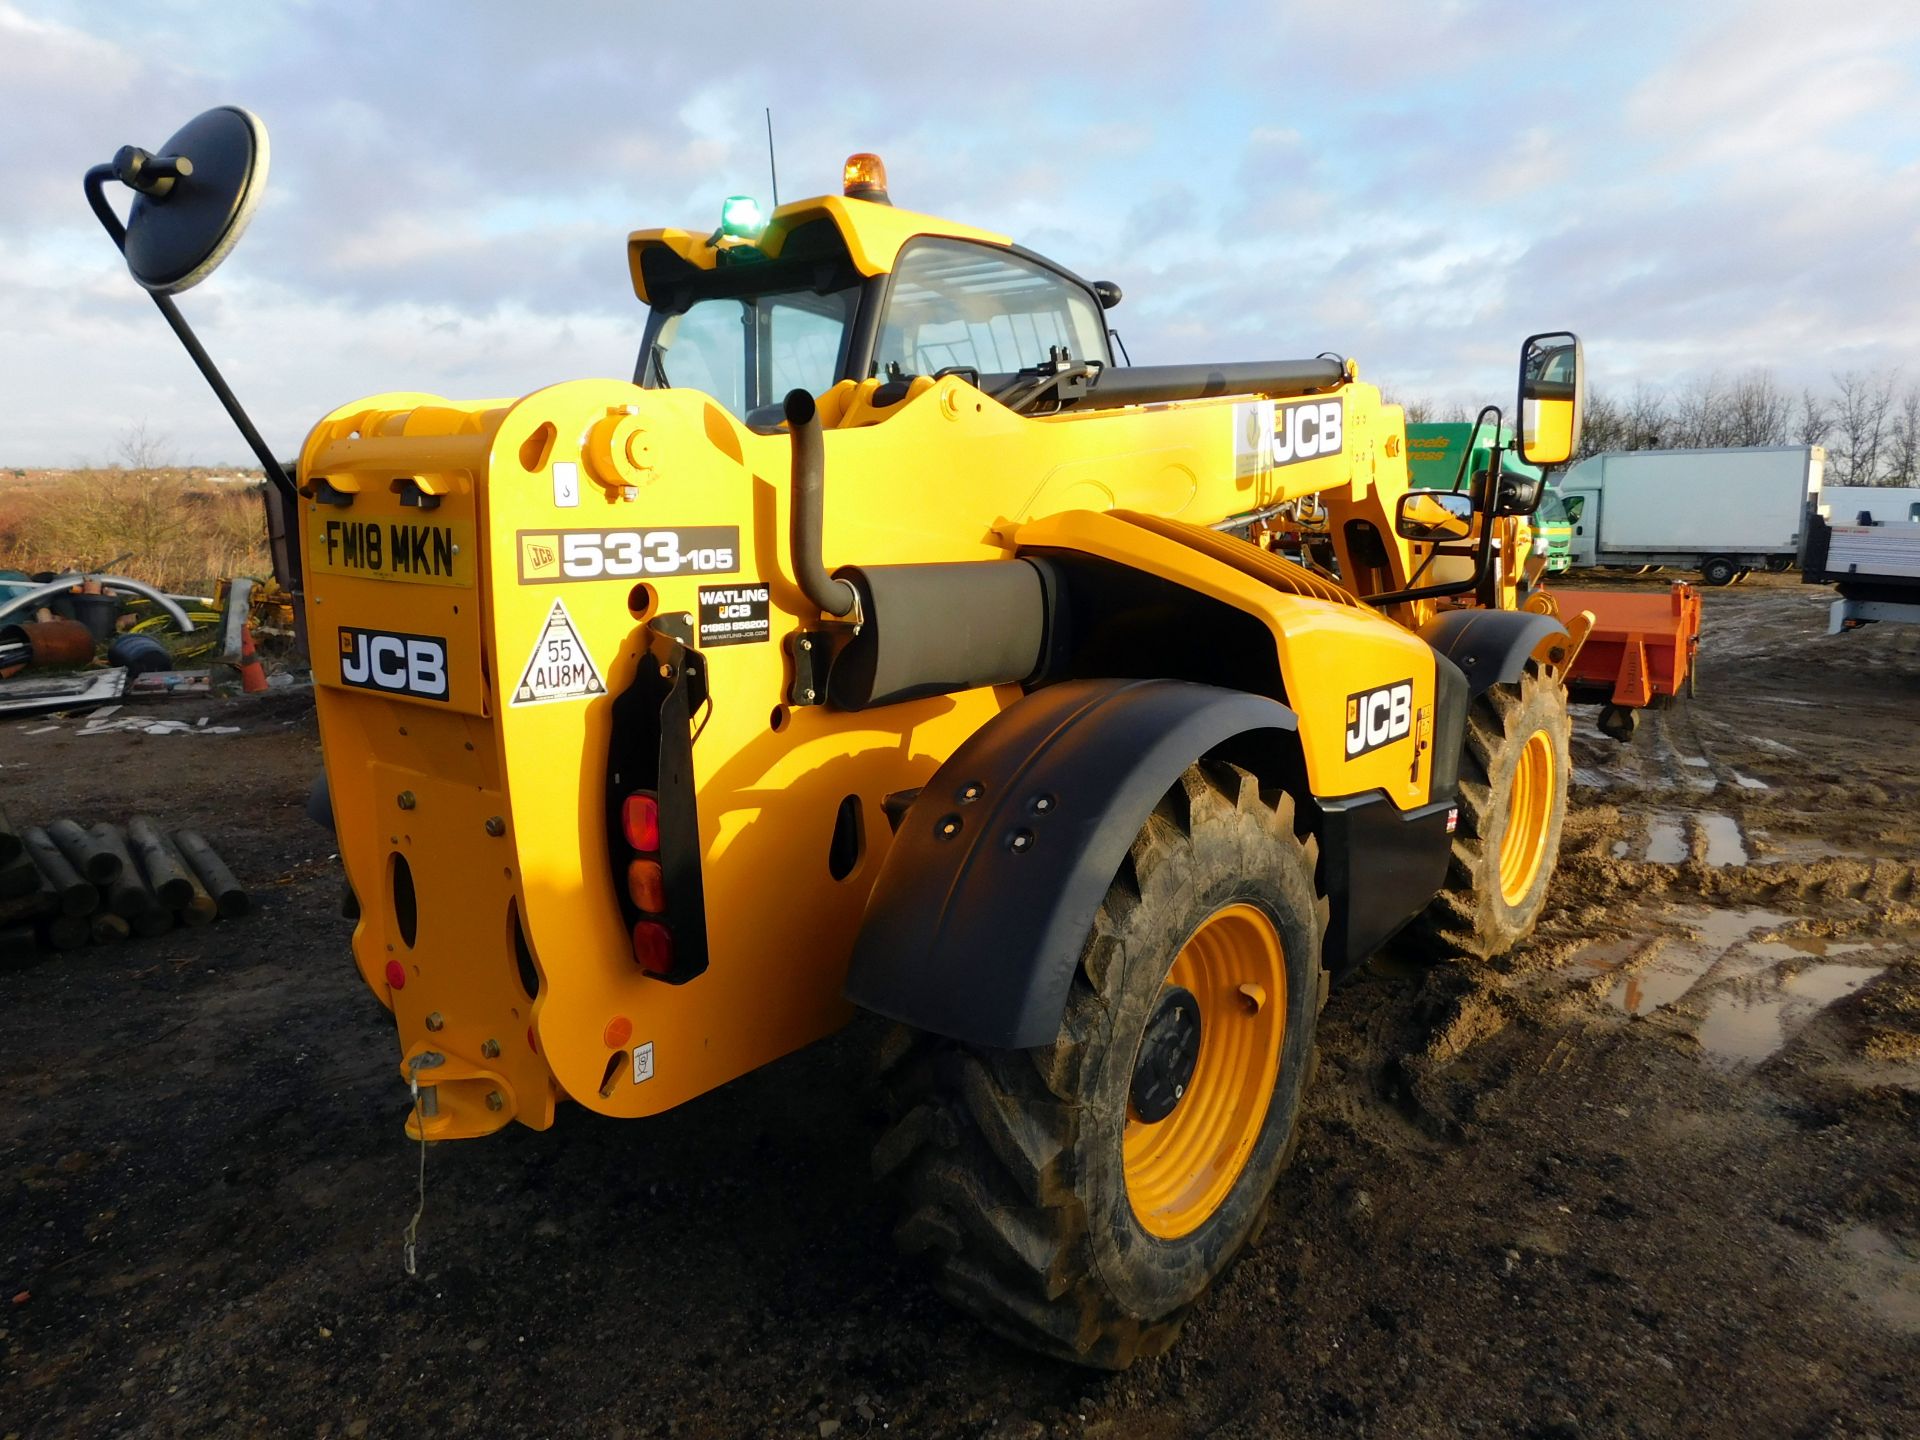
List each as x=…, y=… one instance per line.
x=560, y=667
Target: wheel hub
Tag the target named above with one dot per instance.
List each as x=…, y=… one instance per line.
x=1169, y=1051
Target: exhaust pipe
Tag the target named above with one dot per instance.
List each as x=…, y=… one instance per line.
x=834, y=597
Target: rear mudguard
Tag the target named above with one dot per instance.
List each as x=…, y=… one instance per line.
x=985, y=898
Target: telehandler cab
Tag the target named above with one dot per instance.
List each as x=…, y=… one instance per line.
x=884, y=644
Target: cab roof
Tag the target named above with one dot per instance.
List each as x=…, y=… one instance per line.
x=872, y=233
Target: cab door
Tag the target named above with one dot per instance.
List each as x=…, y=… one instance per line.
x=1583, y=513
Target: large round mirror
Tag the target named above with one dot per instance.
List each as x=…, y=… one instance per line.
x=179, y=230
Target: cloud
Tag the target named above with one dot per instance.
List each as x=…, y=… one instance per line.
x=1692, y=188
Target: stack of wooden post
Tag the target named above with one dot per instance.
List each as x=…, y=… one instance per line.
x=63, y=885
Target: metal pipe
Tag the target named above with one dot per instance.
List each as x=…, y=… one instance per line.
x=107, y=582
x=834, y=597
x=1154, y=384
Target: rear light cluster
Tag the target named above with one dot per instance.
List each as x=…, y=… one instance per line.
x=646, y=884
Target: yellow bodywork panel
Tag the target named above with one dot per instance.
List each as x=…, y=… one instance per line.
x=466, y=690
x=873, y=234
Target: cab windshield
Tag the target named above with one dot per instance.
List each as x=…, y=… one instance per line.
x=1552, y=512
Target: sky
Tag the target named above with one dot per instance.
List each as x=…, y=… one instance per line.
x=1697, y=188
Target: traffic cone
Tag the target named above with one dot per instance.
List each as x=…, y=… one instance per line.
x=253, y=675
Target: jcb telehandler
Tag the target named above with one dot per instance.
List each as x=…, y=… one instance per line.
x=884, y=644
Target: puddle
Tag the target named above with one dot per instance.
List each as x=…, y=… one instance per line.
x=1747, y=782
x=1806, y=945
x=1723, y=929
x=1798, y=849
x=1696, y=761
x=1675, y=971
x=1754, y=1018
x=1666, y=840
x=1886, y=1275
x=1724, y=844
x=1603, y=957
x=1621, y=849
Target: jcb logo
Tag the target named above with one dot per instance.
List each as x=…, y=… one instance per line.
x=1307, y=431
x=399, y=664
x=1379, y=717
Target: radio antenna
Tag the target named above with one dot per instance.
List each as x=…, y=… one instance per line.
x=772, y=169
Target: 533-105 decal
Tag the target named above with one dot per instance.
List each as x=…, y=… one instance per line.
x=553, y=555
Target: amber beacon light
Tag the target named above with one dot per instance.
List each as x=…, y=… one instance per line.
x=864, y=177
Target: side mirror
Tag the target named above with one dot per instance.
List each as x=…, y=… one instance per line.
x=191, y=201
x=1434, y=515
x=1553, y=397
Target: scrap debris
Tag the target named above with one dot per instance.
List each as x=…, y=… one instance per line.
x=63, y=885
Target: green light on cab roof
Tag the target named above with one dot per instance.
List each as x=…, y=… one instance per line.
x=740, y=215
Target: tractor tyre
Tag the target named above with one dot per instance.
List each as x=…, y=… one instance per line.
x=1718, y=570
x=1514, y=777
x=1079, y=1197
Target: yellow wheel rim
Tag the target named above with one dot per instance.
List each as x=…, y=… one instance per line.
x=1180, y=1169
x=1523, y=848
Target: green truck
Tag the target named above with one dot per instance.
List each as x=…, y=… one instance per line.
x=1433, y=461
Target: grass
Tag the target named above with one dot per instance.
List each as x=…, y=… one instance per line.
x=176, y=529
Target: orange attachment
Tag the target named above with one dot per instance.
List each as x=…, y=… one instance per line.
x=1641, y=646
x=618, y=1032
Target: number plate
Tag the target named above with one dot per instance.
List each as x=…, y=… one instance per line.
x=549, y=556
x=417, y=551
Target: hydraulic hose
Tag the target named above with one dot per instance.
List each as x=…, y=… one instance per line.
x=834, y=597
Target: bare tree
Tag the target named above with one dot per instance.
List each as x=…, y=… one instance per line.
x=139, y=449
x=1759, y=412
x=1647, y=419
x=1862, y=409
x=1903, y=449
x=1814, y=421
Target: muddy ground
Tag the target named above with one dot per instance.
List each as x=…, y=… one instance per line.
x=1658, y=1175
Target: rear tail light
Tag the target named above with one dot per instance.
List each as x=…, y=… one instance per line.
x=646, y=883
x=640, y=820
x=646, y=886
x=653, y=947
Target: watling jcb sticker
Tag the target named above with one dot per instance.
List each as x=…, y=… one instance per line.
x=1379, y=717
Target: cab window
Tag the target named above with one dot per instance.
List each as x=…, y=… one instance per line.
x=748, y=351
x=954, y=305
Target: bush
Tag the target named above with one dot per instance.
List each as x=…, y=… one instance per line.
x=176, y=530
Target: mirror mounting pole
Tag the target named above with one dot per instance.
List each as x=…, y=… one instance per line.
x=276, y=474
x=1483, y=553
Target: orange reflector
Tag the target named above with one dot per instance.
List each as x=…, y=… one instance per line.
x=640, y=820
x=653, y=947
x=646, y=886
x=864, y=177
x=619, y=1030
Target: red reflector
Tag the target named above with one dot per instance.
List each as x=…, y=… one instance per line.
x=653, y=947
x=646, y=886
x=640, y=819
x=396, y=975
